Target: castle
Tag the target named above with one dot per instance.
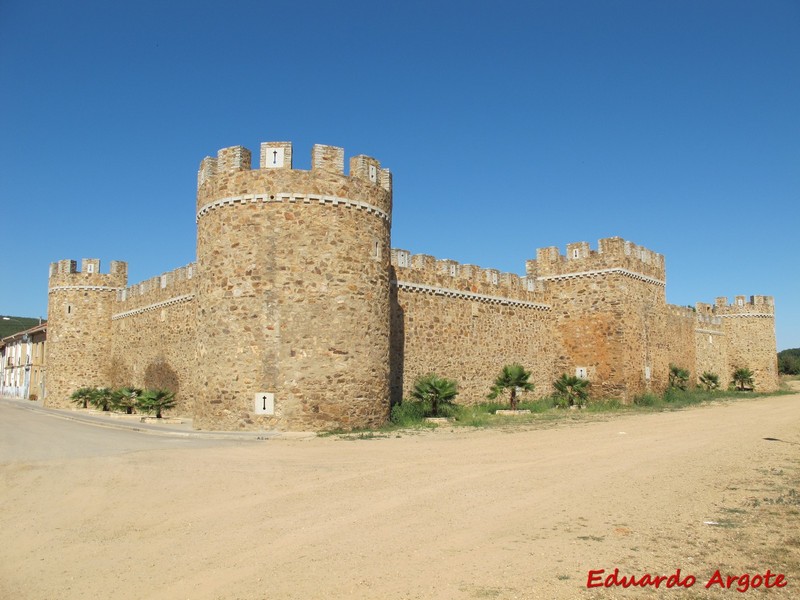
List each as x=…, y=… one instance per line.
x=299, y=315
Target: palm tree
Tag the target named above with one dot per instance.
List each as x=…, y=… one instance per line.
x=101, y=398
x=709, y=380
x=743, y=379
x=156, y=400
x=81, y=396
x=513, y=377
x=678, y=377
x=571, y=390
x=435, y=389
x=127, y=398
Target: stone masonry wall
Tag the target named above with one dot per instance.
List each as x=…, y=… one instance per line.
x=749, y=327
x=293, y=290
x=79, y=329
x=681, y=339
x=154, y=327
x=711, y=348
x=296, y=295
x=465, y=323
x=609, y=314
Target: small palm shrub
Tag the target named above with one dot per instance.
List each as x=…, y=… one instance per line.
x=101, y=398
x=570, y=391
x=678, y=377
x=710, y=381
x=513, y=377
x=436, y=390
x=743, y=379
x=82, y=396
x=156, y=401
x=125, y=399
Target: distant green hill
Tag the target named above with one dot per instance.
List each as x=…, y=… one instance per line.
x=15, y=324
x=789, y=361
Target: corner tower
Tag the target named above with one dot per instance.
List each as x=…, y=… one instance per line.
x=609, y=310
x=79, y=326
x=749, y=327
x=293, y=290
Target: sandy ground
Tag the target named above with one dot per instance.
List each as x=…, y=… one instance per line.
x=450, y=514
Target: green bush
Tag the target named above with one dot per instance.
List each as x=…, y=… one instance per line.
x=125, y=399
x=604, y=405
x=436, y=392
x=156, y=401
x=570, y=391
x=408, y=413
x=678, y=377
x=101, y=398
x=82, y=396
x=710, y=381
x=646, y=400
x=512, y=377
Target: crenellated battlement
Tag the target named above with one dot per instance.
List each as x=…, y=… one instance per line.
x=683, y=312
x=699, y=314
x=612, y=255
x=448, y=276
x=298, y=314
x=278, y=156
x=64, y=274
x=756, y=306
x=172, y=284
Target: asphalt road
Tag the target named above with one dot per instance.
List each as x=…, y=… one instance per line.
x=30, y=435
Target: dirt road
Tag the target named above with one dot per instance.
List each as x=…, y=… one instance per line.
x=464, y=514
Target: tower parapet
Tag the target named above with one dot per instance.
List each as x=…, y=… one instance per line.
x=228, y=179
x=295, y=264
x=65, y=273
x=79, y=325
x=612, y=255
x=756, y=306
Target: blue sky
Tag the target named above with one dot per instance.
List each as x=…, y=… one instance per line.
x=508, y=126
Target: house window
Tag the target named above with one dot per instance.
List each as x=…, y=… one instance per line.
x=90, y=268
x=581, y=372
x=576, y=253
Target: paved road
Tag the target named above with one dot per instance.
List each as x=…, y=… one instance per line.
x=32, y=435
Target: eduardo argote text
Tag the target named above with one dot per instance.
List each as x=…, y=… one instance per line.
x=741, y=583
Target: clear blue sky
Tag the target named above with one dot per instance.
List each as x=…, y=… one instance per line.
x=508, y=126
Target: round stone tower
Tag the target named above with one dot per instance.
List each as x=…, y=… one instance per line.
x=79, y=336
x=293, y=291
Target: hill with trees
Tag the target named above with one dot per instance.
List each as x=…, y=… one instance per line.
x=789, y=361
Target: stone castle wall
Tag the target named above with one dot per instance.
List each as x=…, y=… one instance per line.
x=711, y=345
x=293, y=294
x=154, y=336
x=79, y=331
x=749, y=327
x=465, y=323
x=299, y=315
x=608, y=312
